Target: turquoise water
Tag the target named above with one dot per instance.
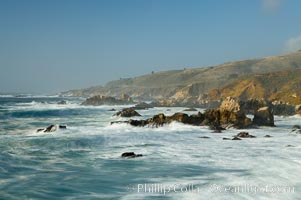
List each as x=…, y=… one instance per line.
x=83, y=161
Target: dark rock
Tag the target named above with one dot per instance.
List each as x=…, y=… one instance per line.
x=51, y=128
x=226, y=138
x=190, y=109
x=130, y=155
x=216, y=128
x=104, y=100
x=267, y=136
x=296, y=129
x=216, y=131
x=63, y=102
x=127, y=112
x=112, y=109
x=40, y=129
x=204, y=137
x=244, y=135
x=138, y=122
x=236, y=138
x=264, y=117
x=290, y=145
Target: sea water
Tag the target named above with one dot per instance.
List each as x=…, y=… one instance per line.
x=84, y=161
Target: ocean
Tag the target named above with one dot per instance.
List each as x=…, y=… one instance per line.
x=84, y=161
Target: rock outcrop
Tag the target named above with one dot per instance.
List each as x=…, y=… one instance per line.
x=127, y=112
x=105, y=100
x=264, y=117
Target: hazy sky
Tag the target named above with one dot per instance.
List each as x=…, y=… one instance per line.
x=48, y=46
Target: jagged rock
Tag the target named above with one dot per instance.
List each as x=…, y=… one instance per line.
x=127, y=112
x=252, y=105
x=105, y=100
x=130, y=155
x=51, y=128
x=218, y=117
x=190, y=109
x=244, y=135
x=230, y=104
x=264, y=117
x=112, y=109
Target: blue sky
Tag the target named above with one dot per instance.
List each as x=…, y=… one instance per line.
x=48, y=46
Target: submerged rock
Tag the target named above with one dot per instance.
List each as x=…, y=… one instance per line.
x=130, y=155
x=267, y=136
x=190, y=109
x=244, y=135
x=236, y=138
x=296, y=129
x=63, y=102
x=127, y=112
x=51, y=128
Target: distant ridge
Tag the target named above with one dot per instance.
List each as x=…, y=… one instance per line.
x=202, y=81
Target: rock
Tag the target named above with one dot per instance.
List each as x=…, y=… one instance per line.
x=40, y=129
x=267, y=136
x=296, y=129
x=252, y=105
x=105, y=100
x=190, y=109
x=112, y=109
x=216, y=131
x=217, y=128
x=244, y=135
x=127, y=112
x=138, y=122
x=236, y=138
x=264, y=117
x=226, y=139
x=63, y=102
x=290, y=145
x=222, y=117
x=230, y=104
x=130, y=155
x=51, y=128
x=204, y=137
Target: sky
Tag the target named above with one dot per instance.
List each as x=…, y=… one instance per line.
x=48, y=46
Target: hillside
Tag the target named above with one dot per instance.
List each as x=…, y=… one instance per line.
x=282, y=86
x=196, y=82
